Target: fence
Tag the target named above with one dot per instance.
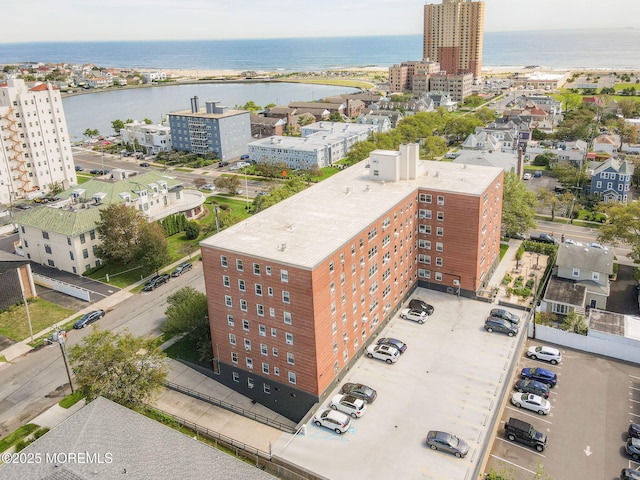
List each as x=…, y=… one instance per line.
x=232, y=408
x=263, y=460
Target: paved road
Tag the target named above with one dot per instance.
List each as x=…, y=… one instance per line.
x=37, y=380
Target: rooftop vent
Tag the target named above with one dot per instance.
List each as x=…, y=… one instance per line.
x=282, y=247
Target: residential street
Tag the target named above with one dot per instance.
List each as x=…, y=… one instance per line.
x=37, y=380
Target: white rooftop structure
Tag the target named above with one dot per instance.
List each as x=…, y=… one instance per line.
x=304, y=229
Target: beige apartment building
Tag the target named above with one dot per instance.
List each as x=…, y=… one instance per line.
x=35, y=151
x=453, y=36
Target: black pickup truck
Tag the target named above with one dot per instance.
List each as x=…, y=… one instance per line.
x=519, y=431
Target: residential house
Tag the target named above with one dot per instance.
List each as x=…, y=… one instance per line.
x=507, y=161
x=580, y=280
x=606, y=143
x=383, y=123
x=595, y=101
x=611, y=180
x=152, y=138
x=62, y=235
x=262, y=126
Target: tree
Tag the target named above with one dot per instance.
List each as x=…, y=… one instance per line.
x=153, y=248
x=200, y=182
x=192, y=230
x=90, y=133
x=55, y=188
x=545, y=159
x=119, y=229
x=622, y=226
x=148, y=121
x=292, y=186
x=629, y=108
x=187, y=314
x=433, y=147
x=269, y=105
x=126, y=369
x=518, y=205
x=537, y=134
x=474, y=101
x=229, y=183
x=117, y=125
x=336, y=117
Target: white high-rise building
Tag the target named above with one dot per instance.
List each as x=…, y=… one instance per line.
x=35, y=151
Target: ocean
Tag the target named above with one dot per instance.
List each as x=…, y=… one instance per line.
x=598, y=49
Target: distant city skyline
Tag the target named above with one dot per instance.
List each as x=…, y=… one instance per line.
x=76, y=20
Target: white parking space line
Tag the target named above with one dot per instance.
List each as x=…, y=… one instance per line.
x=633, y=414
x=633, y=376
x=524, y=412
x=634, y=401
x=514, y=464
x=634, y=388
x=516, y=445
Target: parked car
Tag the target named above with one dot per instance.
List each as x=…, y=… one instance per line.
x=155, y=282
x=516, y=236
x=209, y=186
x=634, y=430
x=597, y=245
x=532, y=386
x=393, y=342
x=572, y=242
x=505, y=315
x=518, y=430
x=23, y=206
x=447, y=442
x=145, y=164
x=180, y=269
x=355, y=407
x=79, y=168
x=526, y=176
x=541, y=375
x=629, y=474
x=336, y=421
x=360, y=390
x=531, y=402
x=548, y=354
x=383, y=352
x=222, y=164
x=632, y=448
x=417, y=304
x=415, y=315
x=244, y=157
x=544, y=238
x=495, y=324
x=89, y=318
x=537, y=174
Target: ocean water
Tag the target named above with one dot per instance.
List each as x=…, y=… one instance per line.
x=602, y=49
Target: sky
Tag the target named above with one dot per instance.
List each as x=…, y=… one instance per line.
x=112, y=20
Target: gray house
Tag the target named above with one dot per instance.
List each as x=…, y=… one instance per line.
x=580, y=280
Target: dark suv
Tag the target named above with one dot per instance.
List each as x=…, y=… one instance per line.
x=519, y=431
x=506, y=315
x=417, y=304
x=180, y=269
x=155, y=282
x=495, y=324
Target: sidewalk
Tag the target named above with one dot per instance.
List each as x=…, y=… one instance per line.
x=215, y=418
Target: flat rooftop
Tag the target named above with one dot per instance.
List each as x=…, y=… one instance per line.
x=305, y=229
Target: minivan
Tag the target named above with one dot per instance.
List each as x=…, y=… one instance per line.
x=500, y=325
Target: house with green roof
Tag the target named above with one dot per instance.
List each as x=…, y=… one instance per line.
x=62, y=235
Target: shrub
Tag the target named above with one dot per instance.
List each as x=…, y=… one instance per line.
x=192, y=230
x=507, y=279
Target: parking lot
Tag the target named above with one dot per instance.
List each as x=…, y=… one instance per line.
x=450, y=378
x=592, y=405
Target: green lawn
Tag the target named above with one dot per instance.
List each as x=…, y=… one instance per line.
x=503, y=249
x=183, y=348
x=14, y=325
x=341, y=82
x=17, y=435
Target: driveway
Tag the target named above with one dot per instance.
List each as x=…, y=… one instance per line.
x=624, y=292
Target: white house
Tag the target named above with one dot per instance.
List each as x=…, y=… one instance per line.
x=153, y=138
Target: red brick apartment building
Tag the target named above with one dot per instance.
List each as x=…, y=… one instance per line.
x=296, y=292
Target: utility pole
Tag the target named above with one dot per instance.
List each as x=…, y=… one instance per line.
x=62, y=336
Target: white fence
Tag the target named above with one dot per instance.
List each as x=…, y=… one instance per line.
x=58, y=286
x=600, y=343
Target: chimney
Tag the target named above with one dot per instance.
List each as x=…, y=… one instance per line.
x=194, y=105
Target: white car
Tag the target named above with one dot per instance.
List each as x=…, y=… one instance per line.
x=531, y=402
x=526, y=176
x=336, y=421
x=348, y=404
x=572, y=242
x=597, y=245
x=415, y=315
x=547, y=354
x=383, y=352
x=209, y=186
